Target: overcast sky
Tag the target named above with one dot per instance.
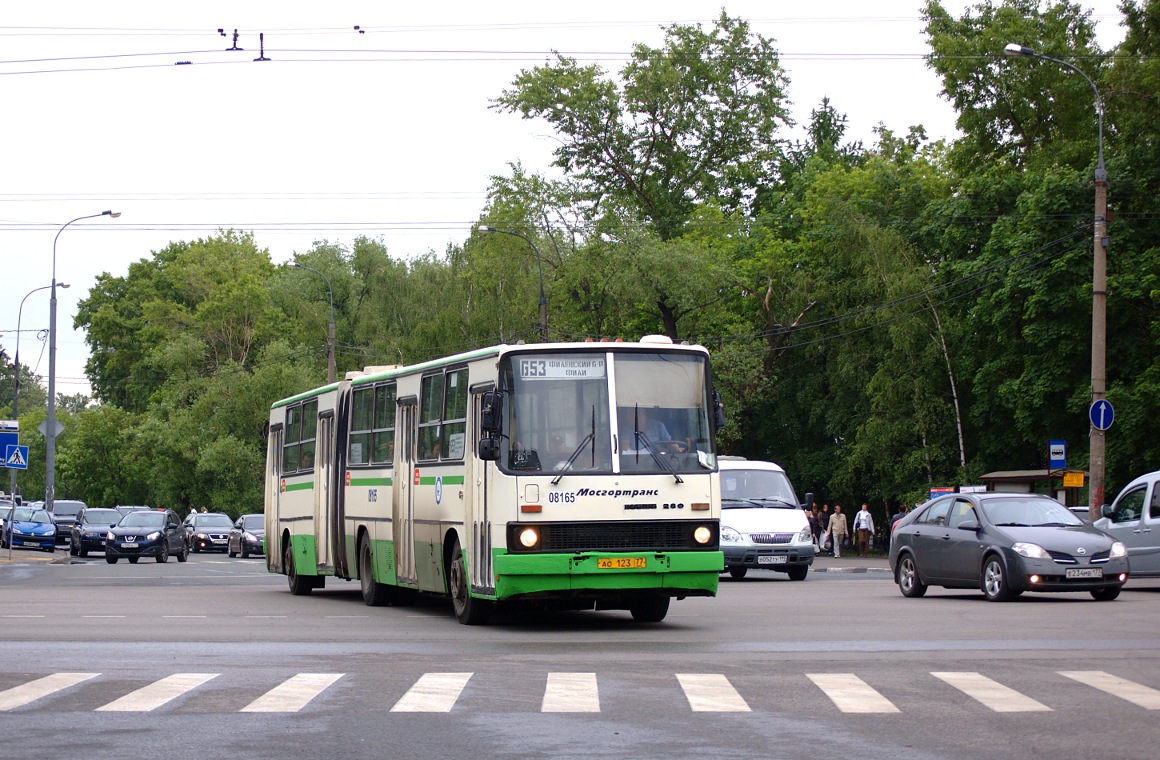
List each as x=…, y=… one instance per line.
x=385, y=132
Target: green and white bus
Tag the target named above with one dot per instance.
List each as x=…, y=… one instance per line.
x=570, y=475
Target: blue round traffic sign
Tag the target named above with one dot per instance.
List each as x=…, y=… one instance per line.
x=1102, y=414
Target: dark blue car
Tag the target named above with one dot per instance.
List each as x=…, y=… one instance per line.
x=32, y=528
x=156, y=534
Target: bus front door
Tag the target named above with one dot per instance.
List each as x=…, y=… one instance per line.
x=323, y=456
x=403, y=509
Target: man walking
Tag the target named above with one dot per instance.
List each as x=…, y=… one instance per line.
x=838, y=529
x=863, y=529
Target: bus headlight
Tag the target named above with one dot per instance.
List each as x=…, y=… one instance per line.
x=529, y=537
x=703, y=535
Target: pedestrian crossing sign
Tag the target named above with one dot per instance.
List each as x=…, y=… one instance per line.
x=16, y=457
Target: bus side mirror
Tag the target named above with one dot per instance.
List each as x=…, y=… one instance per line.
x=718, y=411
x=489, y=449
x=491, y=413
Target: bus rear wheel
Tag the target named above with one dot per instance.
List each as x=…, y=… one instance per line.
x=468, y=609
x=373, y=594
x=299, y=586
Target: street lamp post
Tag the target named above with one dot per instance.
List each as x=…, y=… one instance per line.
x=330, y=331
x=1096, y=442
x=50, y=423
x=540, y=269
x=16, y=396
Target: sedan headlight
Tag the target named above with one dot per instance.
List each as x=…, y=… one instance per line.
x=249, y=536
x=1118, y=550
x=1032, y=551
x=730, y=536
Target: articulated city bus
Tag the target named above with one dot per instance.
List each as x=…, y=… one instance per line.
x=570, y=475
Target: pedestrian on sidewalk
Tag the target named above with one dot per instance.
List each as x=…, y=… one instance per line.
x=824, y=528
x=814, y=516
x=863, y=529
x=838, y=529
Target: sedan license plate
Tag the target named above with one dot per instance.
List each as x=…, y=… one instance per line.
x=621, y=563
x=1084, y=572
x=773, y=559
x=129, y=545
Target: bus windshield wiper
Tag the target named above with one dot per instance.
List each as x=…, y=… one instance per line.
x=586, y=440
x=651, y=448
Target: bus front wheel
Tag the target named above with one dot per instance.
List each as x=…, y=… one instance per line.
x=468, y=609
x=650, y=610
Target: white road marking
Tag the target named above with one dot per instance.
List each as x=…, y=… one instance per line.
x=19, y=696
x=101, y=617
x=1137, y=694
x=571, y=692
x=158, y=693
x=851, y=694
x=22, y=616
x=183, y=617
x=293, y=694
x=991, y=693
x=433, y=692
x=710, y=692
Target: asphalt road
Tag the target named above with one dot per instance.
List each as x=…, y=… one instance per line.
x=214, y=658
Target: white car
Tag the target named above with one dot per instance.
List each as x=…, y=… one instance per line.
x=1134, y=520
x=763, y=525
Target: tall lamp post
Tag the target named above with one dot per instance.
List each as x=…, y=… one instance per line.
x=539, y=267
x=330, y=331
x=50, y=423
x=16, y=396
x=1096, y=443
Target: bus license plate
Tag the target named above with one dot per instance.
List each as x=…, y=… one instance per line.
x=773, y=559
x=1084, y=572
x=621, y=563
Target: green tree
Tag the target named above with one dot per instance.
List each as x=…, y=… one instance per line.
x=692, y=123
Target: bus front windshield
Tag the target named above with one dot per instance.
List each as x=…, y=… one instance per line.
x=620, y=411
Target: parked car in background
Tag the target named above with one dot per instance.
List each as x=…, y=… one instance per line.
x=92, y=525
x=1134, y=519
x=32, y=528
x=152, y=533
x=127, y=510
x=1004, y=544
x=763, y=525
x=208, y=531
x=64, y=514
x=248, y=536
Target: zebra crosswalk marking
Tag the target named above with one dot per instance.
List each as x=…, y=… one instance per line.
x=19, y=696
x=293, y=694
x=851, y=694
x=433, y=692
x=710, y=692
x=158, y=693
x=571, y=692
x=1137, y=694
x=991, y=693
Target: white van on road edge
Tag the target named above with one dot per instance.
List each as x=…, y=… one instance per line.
x=763, y=525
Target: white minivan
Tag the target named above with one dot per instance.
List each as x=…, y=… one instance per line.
x=763, y=524
x=1134, y=519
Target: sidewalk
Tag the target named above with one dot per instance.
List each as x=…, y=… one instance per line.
x=850, y=564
